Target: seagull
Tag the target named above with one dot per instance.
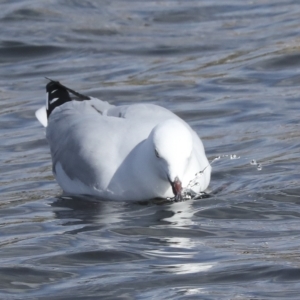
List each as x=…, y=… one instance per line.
x=128, y=152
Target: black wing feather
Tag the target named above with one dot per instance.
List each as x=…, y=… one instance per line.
x=58, y=94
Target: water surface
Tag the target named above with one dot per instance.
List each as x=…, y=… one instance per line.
x=231, y=69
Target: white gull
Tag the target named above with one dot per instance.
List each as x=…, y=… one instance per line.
x=128, y=152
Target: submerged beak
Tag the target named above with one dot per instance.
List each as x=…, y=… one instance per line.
x=177, y=189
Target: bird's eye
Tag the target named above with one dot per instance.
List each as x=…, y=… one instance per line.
x=156, y=153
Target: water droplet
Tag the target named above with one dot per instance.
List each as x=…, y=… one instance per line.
x=215, y=159
x=253, y=162
x=259, y=167
x=234, y=156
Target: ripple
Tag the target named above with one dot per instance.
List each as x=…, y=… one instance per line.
x=17, y=278
x=199, y=13
x=279, y=63
x=90, y=258
x=26, y=14
x=96, y=31
x=13, y=50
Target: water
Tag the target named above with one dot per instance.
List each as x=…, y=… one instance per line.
x=231, y=69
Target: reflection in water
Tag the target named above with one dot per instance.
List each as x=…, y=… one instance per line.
x=187, y=268
x=87, y=213
x=172, y=221
x=176, y=247
x=182, y=214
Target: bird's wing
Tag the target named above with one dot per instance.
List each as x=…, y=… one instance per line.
x=149, y=115
x=90, y=143
x=58, y=94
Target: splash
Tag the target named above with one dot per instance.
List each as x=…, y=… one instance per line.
x=188, y=193
x=255, y=163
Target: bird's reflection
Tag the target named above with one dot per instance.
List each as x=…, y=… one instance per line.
x=169, y=233
x=183, y=241
x=146, y=216
x=87, y=211
x=78, y=208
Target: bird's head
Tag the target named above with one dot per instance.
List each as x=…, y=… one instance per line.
x=172, y=148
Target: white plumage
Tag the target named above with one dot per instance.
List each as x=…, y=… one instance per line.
x=130, y=152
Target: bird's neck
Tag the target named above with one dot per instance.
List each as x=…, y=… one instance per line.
x=146, y=171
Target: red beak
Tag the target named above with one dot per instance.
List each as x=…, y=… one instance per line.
x=177, y=189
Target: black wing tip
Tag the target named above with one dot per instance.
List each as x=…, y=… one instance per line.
x=51, y=79
x=58, y=94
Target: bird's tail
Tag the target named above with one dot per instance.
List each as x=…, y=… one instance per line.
x=57, y=94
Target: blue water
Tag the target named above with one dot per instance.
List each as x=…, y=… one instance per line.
x=231, y=69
